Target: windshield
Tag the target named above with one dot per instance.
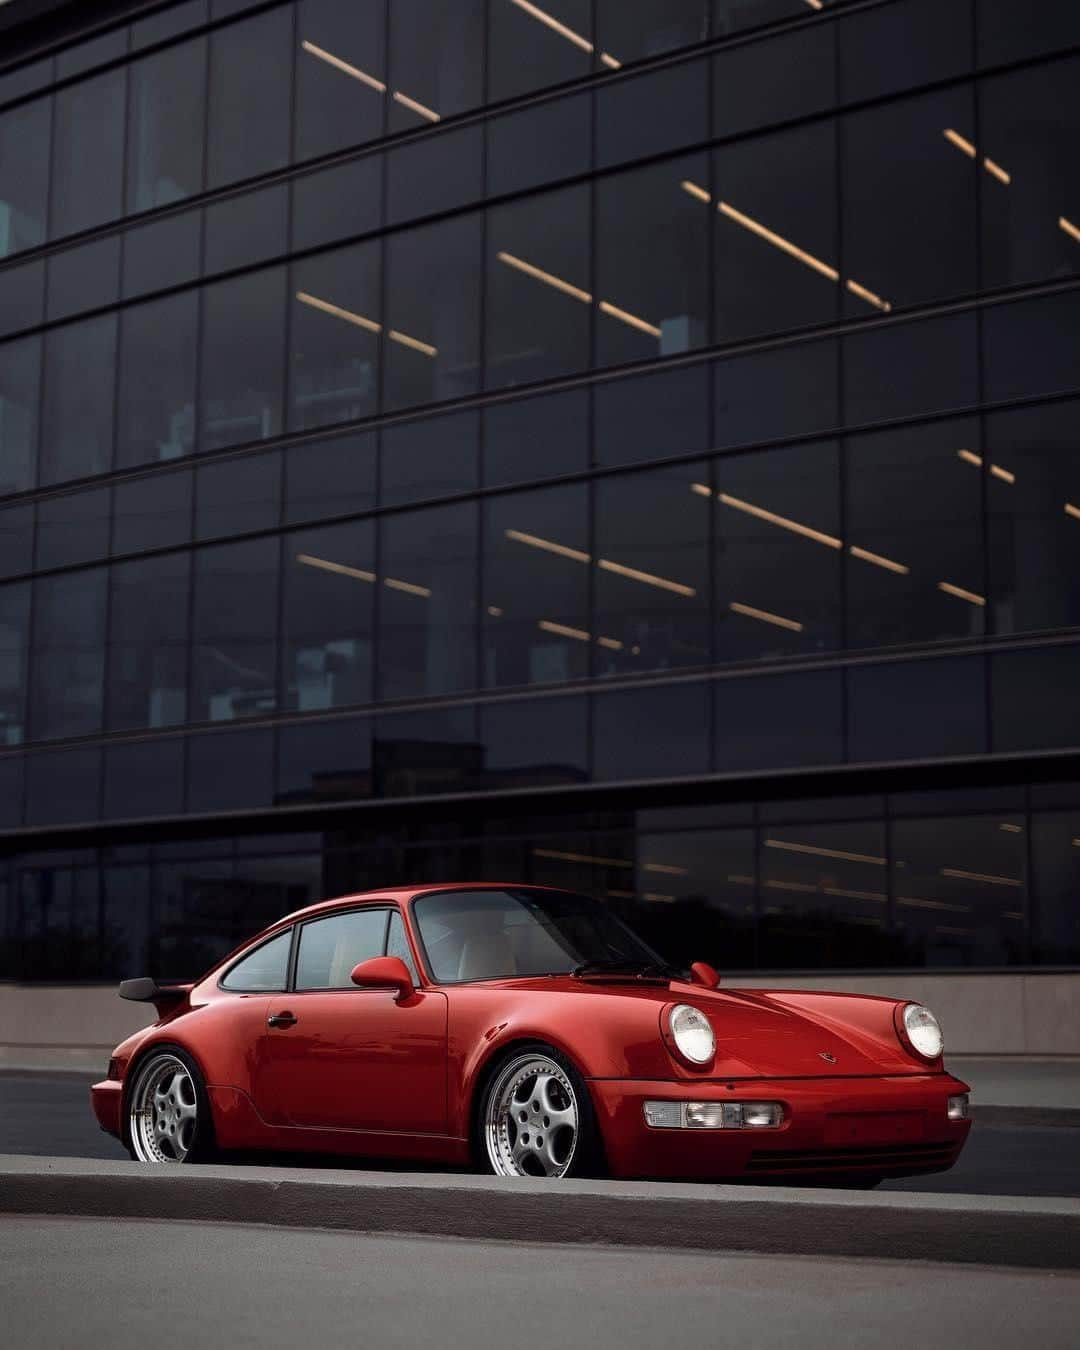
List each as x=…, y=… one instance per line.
x=497, y=935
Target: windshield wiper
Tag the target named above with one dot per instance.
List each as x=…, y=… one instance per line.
x=625, y=966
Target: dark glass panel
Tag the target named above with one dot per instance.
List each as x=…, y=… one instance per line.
x=168, y=23
x=337, y=202
x=1032, y=457
x=1034, y=699
x=893, y=47
x=651, y=733
x=329, y=478
x=756, y=84
x=324, y=762
x=824, y=896
x=241, y=231
x=165, y=138
x=868, y=807
x=538, y=301
x=540, y=743
x=432, y=458
x=148, y=631
x=652, y=416
x=63, y=788
x=664, y=110
x=242, y=359
x=1008, y=32
x=434, y=174
x=20, y=378
x=775, y=218
x=26, y=79
x=234, y=496
x=72, y=528
x=914, y=546
x=779, y=556
x=547, y=435
x=433, y=287
x=77, y=423
x=14, y=649
x=917, y=710
x=83, y=278
x=960, y=891
x=88, y=154
x=1055, y=856
x=651, y=577
x=152, y=512
x=651, y=263
x=747, y=408
x=200, y=913
x=162, y=253
x=929, y=366
x=436, y=60
x=536, y=587
x=730, y=16
x=631, y=30
x=16, y=539
x=335, y=337
x=235, y=631
x=539, y=145
x=11, y=816
x=68, y=658
x=427, y=602
x=250, y=74
x=329, y=616
x=340, y=76
x=91, y=52
x=156, y=398
x=22, y=297
x=536, y=47
x=780, y=721
x=24, y=175
x=1030, y=346
x=231, y=771
x=145, y=779
x=417, y=754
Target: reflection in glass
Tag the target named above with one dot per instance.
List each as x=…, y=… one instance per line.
x=250, y=74
x=780, y=721
x=14, y=645
x=242, y=359
x=144, y=778
x=232, y=771
x=165, y=140
x=436, y=60
x=233, y=496
x=234, y=632
x=148, y=621
x=72, y=528
x=77, y=426
x=531, y=46
x=664, y=110
x=658, y=732
x=323, y=761
x=24, y=176
x=329, y=478
x=652, y=416
x=433, y=457
x=156, y=399
x=20, y=376
x=551, y=431
x=88, y=153
x=538, y=743
x=151, y=512
x=68, y=657
x=1056, y=883
x=631, y=32
x=340, y=75
x=335, y=337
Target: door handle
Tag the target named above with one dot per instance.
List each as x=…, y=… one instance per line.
x=281, y=1019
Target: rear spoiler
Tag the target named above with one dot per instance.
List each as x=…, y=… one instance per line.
x=164, y=997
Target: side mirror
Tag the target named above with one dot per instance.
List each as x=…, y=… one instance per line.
x=385, y=972
x=702, y=973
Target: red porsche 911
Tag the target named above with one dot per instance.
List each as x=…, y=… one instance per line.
x=529, y=1032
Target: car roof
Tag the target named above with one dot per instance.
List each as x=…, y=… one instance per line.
x=399, y=894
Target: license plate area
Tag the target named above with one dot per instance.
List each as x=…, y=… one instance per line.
x=875, y=1127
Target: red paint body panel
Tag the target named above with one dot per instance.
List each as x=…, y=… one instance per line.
x=363, y=1072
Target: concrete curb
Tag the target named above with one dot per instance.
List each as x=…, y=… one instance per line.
x=994, y=1230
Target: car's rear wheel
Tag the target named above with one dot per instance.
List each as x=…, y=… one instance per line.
x=536, y=1118
x=168, y=1112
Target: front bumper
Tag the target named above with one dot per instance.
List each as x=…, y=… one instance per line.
x=106, y=1098
x=839, y=1127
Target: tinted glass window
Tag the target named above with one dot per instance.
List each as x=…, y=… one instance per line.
x=549, y=434
x=431, y=458
x=927, y=366
x=237, y=495
x=233, y=771
x=530, y=48
x=1034, y=701
x=83, y=278
x=323, y=761
x=1055, y=879
x=247, y=229
x=24, y=174
x=14, y=647
x=156, y=398
x=162, y=253
x=337, y=202
x=330, y=948
x=896, y=46
x=77, y=428
x=340, y=75
x=20, y=377
x=266, y=969
x=16, y=539
x=652, y=417
x=1008, y=34
x=242, y=359
x=165, y=140
x=22, y=297
x=69, y=654
x=436, y=60
x=671, y=737
x=756, y=84
x=235, y=629
x=148, y=628
x=917, y=709
x=143, y=779
x=426, y=752
x=63, y=788
x=535, y=743
x=73, y=528
x=629, y=30
x=664, y=110
x=151, y=512
x=88, y=153
x=782, y=721
x=539, y=145
x=329, y=478
x=250, y=70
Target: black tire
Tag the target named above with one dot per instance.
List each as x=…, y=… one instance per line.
x=587, y=1158
x=195, y=1141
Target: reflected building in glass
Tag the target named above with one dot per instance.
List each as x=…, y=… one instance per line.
x=630, y=445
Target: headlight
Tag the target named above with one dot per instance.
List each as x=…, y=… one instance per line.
x=920, y=1029
x=692, y=1034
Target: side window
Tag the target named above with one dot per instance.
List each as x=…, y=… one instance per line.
x=331, y=947
x=397, y=944
x=265, y=970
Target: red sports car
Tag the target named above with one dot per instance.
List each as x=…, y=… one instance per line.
x=529, y=1032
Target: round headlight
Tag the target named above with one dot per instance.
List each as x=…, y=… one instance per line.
x=922, y=1031
x=692, y=1034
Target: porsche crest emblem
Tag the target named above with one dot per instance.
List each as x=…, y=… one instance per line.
x=824, y=1054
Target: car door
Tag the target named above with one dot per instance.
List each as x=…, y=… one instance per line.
x=334, y=1056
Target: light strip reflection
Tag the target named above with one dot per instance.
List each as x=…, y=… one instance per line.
x=631, y=319
x=876, y=558
x=579, y=634
x=548, y=545
x=965, y=147
x=958, y=591
x=413, y=106
x=988, y=877
x=549, y=21
x=414, y=343
x=347, y=314
x=633, y=574
x=970, y=457
x=1073, y=511
x=819, y=536
x=777, y=240
x=1070, y=229
x=326, y=565
x=548, y=278
x=763, y=615
x=842, y=854
x=562, y=856
x=344, y=67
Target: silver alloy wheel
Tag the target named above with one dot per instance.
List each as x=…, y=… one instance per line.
x=531, y=1121
x=163, y=1111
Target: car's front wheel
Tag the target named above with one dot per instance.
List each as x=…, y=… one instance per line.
x=168, y=1112
x=536, y=1118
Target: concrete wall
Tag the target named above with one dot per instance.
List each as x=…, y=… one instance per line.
x=72, y=1027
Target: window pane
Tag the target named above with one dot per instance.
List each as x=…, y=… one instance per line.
x=87, y=277
x=536, y=587
x=20, y=374
x=434, y=174
x=632, y=29
x=165, y=139
x=77, y=427
x=652, y=241
x=417, y=754
x=430, y=458
x=1007, y=33
x=539, y=145
x=436, y=60
x=233, y=771
x=250, y=74
x=237, y=495
x=747, y=409
x=22, y=297
x=337, y=202
x=243, y=358
x=14, y=645
x=88, y=153
x=329, y=478
x=265, y=970
x=917, y=709
x=652, y=572
x=330, y=948
x=664, y=110
x=929, y=366
x=1056, y=877
x=16, y=539
x=152, y=512
x=899, y=46
x=156, y=413
x=72, y=528
x=1034, y=698
x=340, y=77
x=914, y=521
x=538, y=298
x=329, y=603
x=671, y=732
x=433, y=313
x=729, y=16
x=525, y=52
x=162, y=253
x=535, y=744
x=24, y=175
x=427, y=603
x=757, y=84
x=63, y=788
x=68, y=655
x=397, y=944
x=780, y=721
x=11, y=817
x=324, y=761
x=144, y=779
x=551, y=432
x=335, y=337
x=148, y=626
x=248, y=229
x=779, y=555
x=235, y=629
x=653, y=416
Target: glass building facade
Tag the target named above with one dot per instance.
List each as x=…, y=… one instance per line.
x=631, y=445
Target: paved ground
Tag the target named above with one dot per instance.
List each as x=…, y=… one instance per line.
x=51, y=1116
x=1013, y=1080
x=138, y=1283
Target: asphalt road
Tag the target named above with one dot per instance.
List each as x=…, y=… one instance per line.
x=139, y=1283
x=51, y=1116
